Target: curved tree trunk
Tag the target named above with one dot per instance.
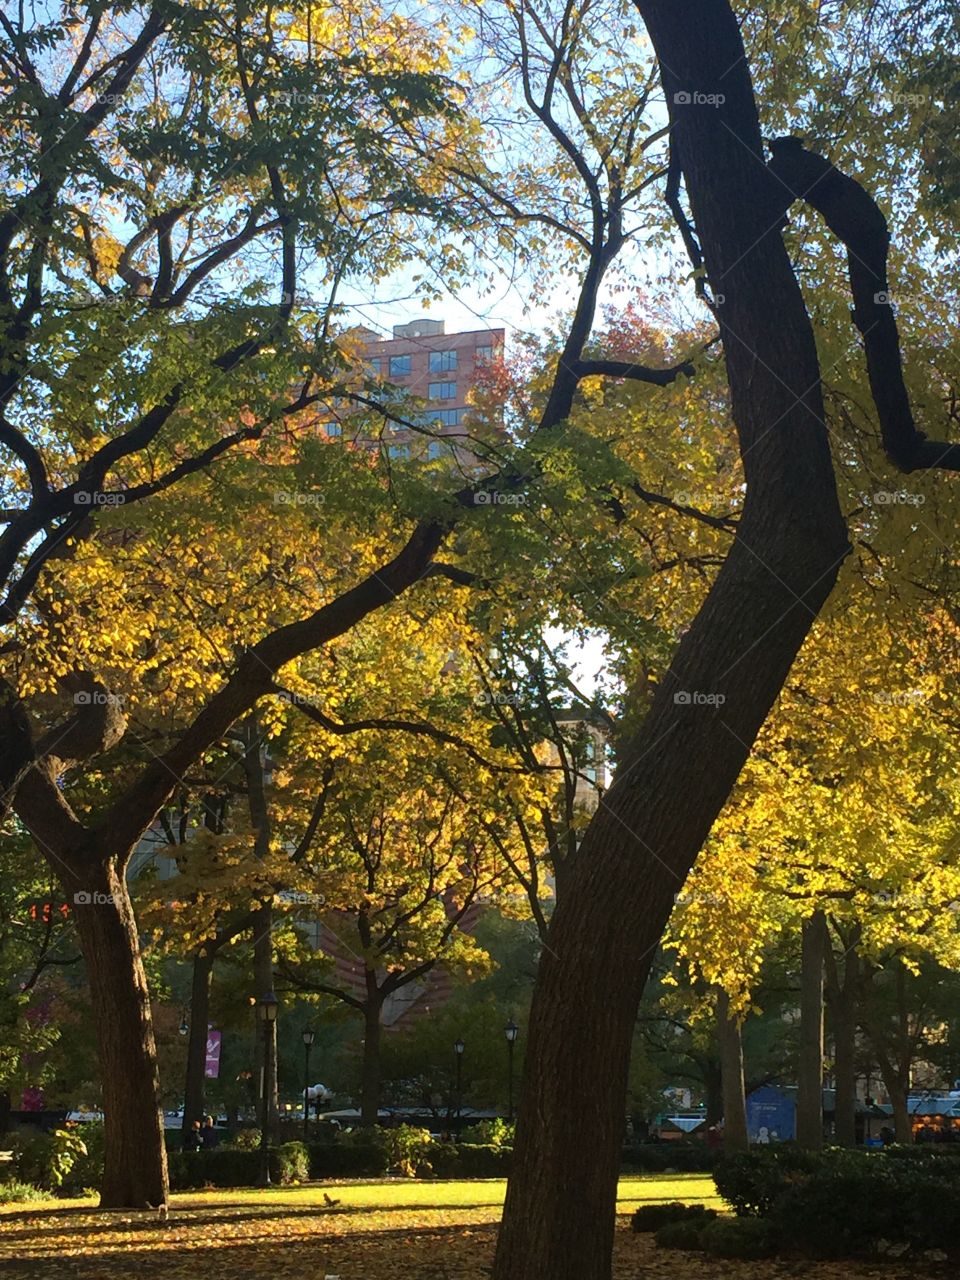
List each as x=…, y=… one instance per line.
x=731, y=1069
x=813, y=944
x=197, y=1043
x=677, y=773
x=135, y=1161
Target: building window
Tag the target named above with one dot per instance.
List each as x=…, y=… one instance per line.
x=375, y=364
x=333, y=428
x=443, y=361
x=434, y=450
x=400, y=366
x=399, y=451
x=448, y=417
x=484, y=355
x=442, y=390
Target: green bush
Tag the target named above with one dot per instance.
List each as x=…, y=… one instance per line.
x=475, y=1160
x=17, y=1192
x=236, y=1167
x=837, y=1213
x=348, y=1157
x=651, y=1217
x=47, y=1159
x=739, y=1238
x=221, y=1167
x=86, y=1171
x=489, y=1133
x=246, y=1140
x=844, y=1203
x=444, y=1161
x=753, y=1181
x=408, y=1149
x=290, y=1162
x=658, y=1157
x=685, y=1234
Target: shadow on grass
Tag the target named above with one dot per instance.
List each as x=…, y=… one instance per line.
x=358, y=1253
x=136, y=1222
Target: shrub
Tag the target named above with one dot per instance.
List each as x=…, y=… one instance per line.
x=408, y=1149
x=289, y=1163
x=86, y=1171
x=836, y=1213
x=753, y=1181
x=483, y=1161
x=344, y=1159
x=221, y=1167
x=933, y=1212
x=842, y=1203
x=246, y=1140
x=47, y=1159
x=739, y=1238
x=489, y=1133
x=444, y=1162
x=651, y=1217
x=236, y=1167
x=17, y=1192
x=685, y=1234
x=657, y=1157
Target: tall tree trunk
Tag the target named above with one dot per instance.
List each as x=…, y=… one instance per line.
x=193, y=1093
x=262, y=918
x=676, y=774
x=842, y=995
x=810, y=1073
x=370, y=1070
x=135, y=1161
x=898, y=1087
x=731, y=1059
x=713, y=1091
x=263, y=982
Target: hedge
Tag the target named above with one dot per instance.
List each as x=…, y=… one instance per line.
x=846, y=1203
x=231, y=1167
x=659, y=1157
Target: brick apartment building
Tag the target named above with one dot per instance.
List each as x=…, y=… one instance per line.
x=434, y=367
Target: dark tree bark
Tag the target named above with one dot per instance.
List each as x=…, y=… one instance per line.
x=676, y=774
x=734, y=1093
x=193, y=1108
x=135, y=1162
x=263, y=982
x=895, y=1036
x=898, y=1088
x=813, y=943
x=842, y=998
x=713, y=1092
x=370, y=1069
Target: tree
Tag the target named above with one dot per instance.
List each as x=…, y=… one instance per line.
x=403, y=862
x=137, y=351
x=790, y=543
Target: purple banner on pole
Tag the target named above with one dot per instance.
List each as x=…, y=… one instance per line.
x=211, y=1067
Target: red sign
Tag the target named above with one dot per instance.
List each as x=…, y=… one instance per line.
x=211, y=1067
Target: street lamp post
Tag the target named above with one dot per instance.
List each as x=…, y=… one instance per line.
x=511, y=1031
x=458, y=1048
x=308, y=1038
x=267, y=1009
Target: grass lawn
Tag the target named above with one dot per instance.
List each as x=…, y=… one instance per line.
x=394, y=1229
